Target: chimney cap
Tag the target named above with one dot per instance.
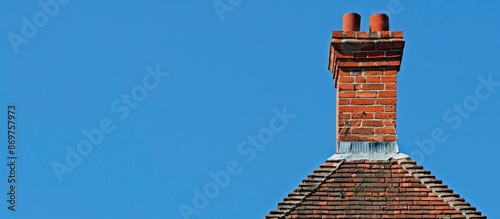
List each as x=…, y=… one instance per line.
x=351, y=22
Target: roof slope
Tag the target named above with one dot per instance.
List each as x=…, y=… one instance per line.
x=395, y=188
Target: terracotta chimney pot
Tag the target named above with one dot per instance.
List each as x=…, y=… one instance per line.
x=351, y=22
x=379, y=22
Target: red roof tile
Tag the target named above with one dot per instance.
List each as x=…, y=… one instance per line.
x=395, y=188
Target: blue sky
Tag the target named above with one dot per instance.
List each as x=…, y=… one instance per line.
x=171, y=92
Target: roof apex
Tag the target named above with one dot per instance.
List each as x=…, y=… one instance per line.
x=373, y=188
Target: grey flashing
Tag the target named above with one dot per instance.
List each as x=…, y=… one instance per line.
x=357, y=150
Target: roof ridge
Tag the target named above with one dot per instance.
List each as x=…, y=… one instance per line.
x=306, y=188
x=440, y=189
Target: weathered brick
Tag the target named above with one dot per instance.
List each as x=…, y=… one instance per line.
x=362, y=131
x=337, y=34
x=344, y=101
x=346, y=94
x=390, y=138
x=345, y=115
x=362, y=35
x=391, y=108
x=363, y=116
x=385, y=115
x=373, y=123
x=360, y=79
x=390, y=86
x=373, y=78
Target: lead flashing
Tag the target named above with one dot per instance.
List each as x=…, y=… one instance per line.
x=355, y=150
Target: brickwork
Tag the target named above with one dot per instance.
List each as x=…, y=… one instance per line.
x=365, y=67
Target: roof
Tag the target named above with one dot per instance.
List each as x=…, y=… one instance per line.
x=393, y=188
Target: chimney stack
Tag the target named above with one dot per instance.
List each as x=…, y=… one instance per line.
x=364, y=67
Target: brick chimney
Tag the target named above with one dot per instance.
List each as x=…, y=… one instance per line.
x=365, y=67
x=367, y=177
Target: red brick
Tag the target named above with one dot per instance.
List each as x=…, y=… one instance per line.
x=345, y=79
x=393, y=54
x=343, y=73
x=360, y=54
x=350, y=108
x=376, y=54
x=397, y=34
x=368, y=46
x=373, y=138
x=336, y=44
x=373, y=123
x=391, y=86
x=362, y=115
x=367, y=131
x=373, y=87
x=360, y=79
x=344, y=101
x=391, y=72
x=344, y=94
x=373, y=72
x=390, y=138
x=393, y=63
x=349, y=138
x=344, y=115
x=372, y=63
x=388, y=79
x=343, y=55
x=373, y=78
x=385, y=34
x=364, y=94
x=384, y=115
x=337, y=34
x=348, y=64
x=384, y=46
x=386, y=101
x=386, y=94
x=349, y=34
x=398, y=45
x=390, y=123
x=362, y=35
x=358, y=101
x=373, y=108
x=346, y=87
x=385, y=131
x=355, y=123
x=390, y=108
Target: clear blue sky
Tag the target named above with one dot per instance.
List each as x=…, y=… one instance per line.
x=83, y=68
